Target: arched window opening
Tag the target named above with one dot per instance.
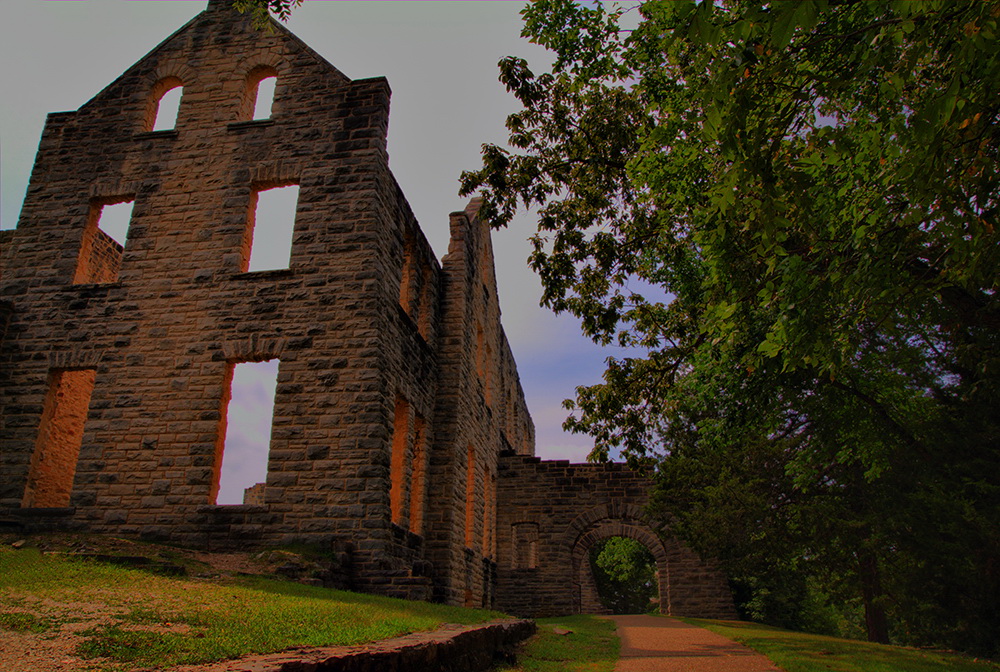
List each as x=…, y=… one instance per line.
x=164, y=105
x=625, y=574
x=264, y=98
x=258, y=95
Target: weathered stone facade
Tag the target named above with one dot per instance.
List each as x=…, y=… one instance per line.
x=398, y=414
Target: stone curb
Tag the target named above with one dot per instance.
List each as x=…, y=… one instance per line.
x=450, y=648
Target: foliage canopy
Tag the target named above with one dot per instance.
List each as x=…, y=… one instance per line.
x=789, y=210
x=625, y=574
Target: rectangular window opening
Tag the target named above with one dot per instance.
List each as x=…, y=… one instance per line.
x=397, y=461
x=488, y=376
x=270, y=223
x=60, y=436
x=418, y=487
x=424, y=321
x=103, y=242
x=245, y=433
x=524, y=538
x=489, y=513
x=406, y=279
x=470, y=497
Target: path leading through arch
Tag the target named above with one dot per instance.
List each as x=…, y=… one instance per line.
x=658, y=644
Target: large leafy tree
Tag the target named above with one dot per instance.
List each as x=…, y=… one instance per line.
x=789, y=209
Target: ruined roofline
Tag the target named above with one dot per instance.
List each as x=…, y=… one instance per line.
x=218, y=7
x=222, y=6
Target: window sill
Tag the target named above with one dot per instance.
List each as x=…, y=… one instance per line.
x=151, y=135
x=44, y=511
x=263, y=275
x=252, y=123
x=94, y=285
x=233, y=508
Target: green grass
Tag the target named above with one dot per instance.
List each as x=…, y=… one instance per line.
x=802, y=652
x=23, y=622
x=160, y=621
x=591, y=647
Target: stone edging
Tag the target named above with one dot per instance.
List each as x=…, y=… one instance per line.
x=450, y=648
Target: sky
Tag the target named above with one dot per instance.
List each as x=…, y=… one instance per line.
x=440, y=58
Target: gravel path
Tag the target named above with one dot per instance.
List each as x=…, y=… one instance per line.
x=658, y=644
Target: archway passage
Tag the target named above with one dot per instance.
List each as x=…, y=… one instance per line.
x=624, y=573
x=551, y=514
x=625, y=534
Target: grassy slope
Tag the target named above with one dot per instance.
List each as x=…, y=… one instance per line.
x=592, y=646
x=802, y=652
x=155, y=620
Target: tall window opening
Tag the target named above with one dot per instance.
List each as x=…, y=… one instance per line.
x=397, y=460
x=470, y=497
x=245, y=432
x=524, y=538
x=164, y=104
x=264, y=98
x=489, y=513
x=419, y=481
x=406, y=279
x=103, y=243
x=488, y=376
x=424, y=321
x=258, y=95
x=267, y=243
x=60, y=435
x=480, y=354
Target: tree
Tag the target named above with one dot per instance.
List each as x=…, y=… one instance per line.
x=625, y=573
x=789, y=210
x=261, y=10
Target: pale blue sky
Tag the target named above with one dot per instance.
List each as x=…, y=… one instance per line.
x=440, y=59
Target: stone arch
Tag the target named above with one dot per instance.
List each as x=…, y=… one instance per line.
x=250, y=72
x=156, y=94
x=158, y=82
x=629, y=526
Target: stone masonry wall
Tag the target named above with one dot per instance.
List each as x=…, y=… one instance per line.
x=474, y=404
x=400, y=439
x=394, y=368
x=552, y=513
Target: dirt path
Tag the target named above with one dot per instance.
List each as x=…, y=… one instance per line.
x=658, y=644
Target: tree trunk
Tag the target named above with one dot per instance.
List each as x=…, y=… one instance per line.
x=871, y=589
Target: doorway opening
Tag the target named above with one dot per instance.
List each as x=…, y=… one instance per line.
x=625, y=573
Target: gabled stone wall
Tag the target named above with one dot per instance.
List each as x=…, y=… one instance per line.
x=397, y=392
x=361, y=320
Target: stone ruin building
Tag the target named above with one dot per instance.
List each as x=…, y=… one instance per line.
x=400, y=436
